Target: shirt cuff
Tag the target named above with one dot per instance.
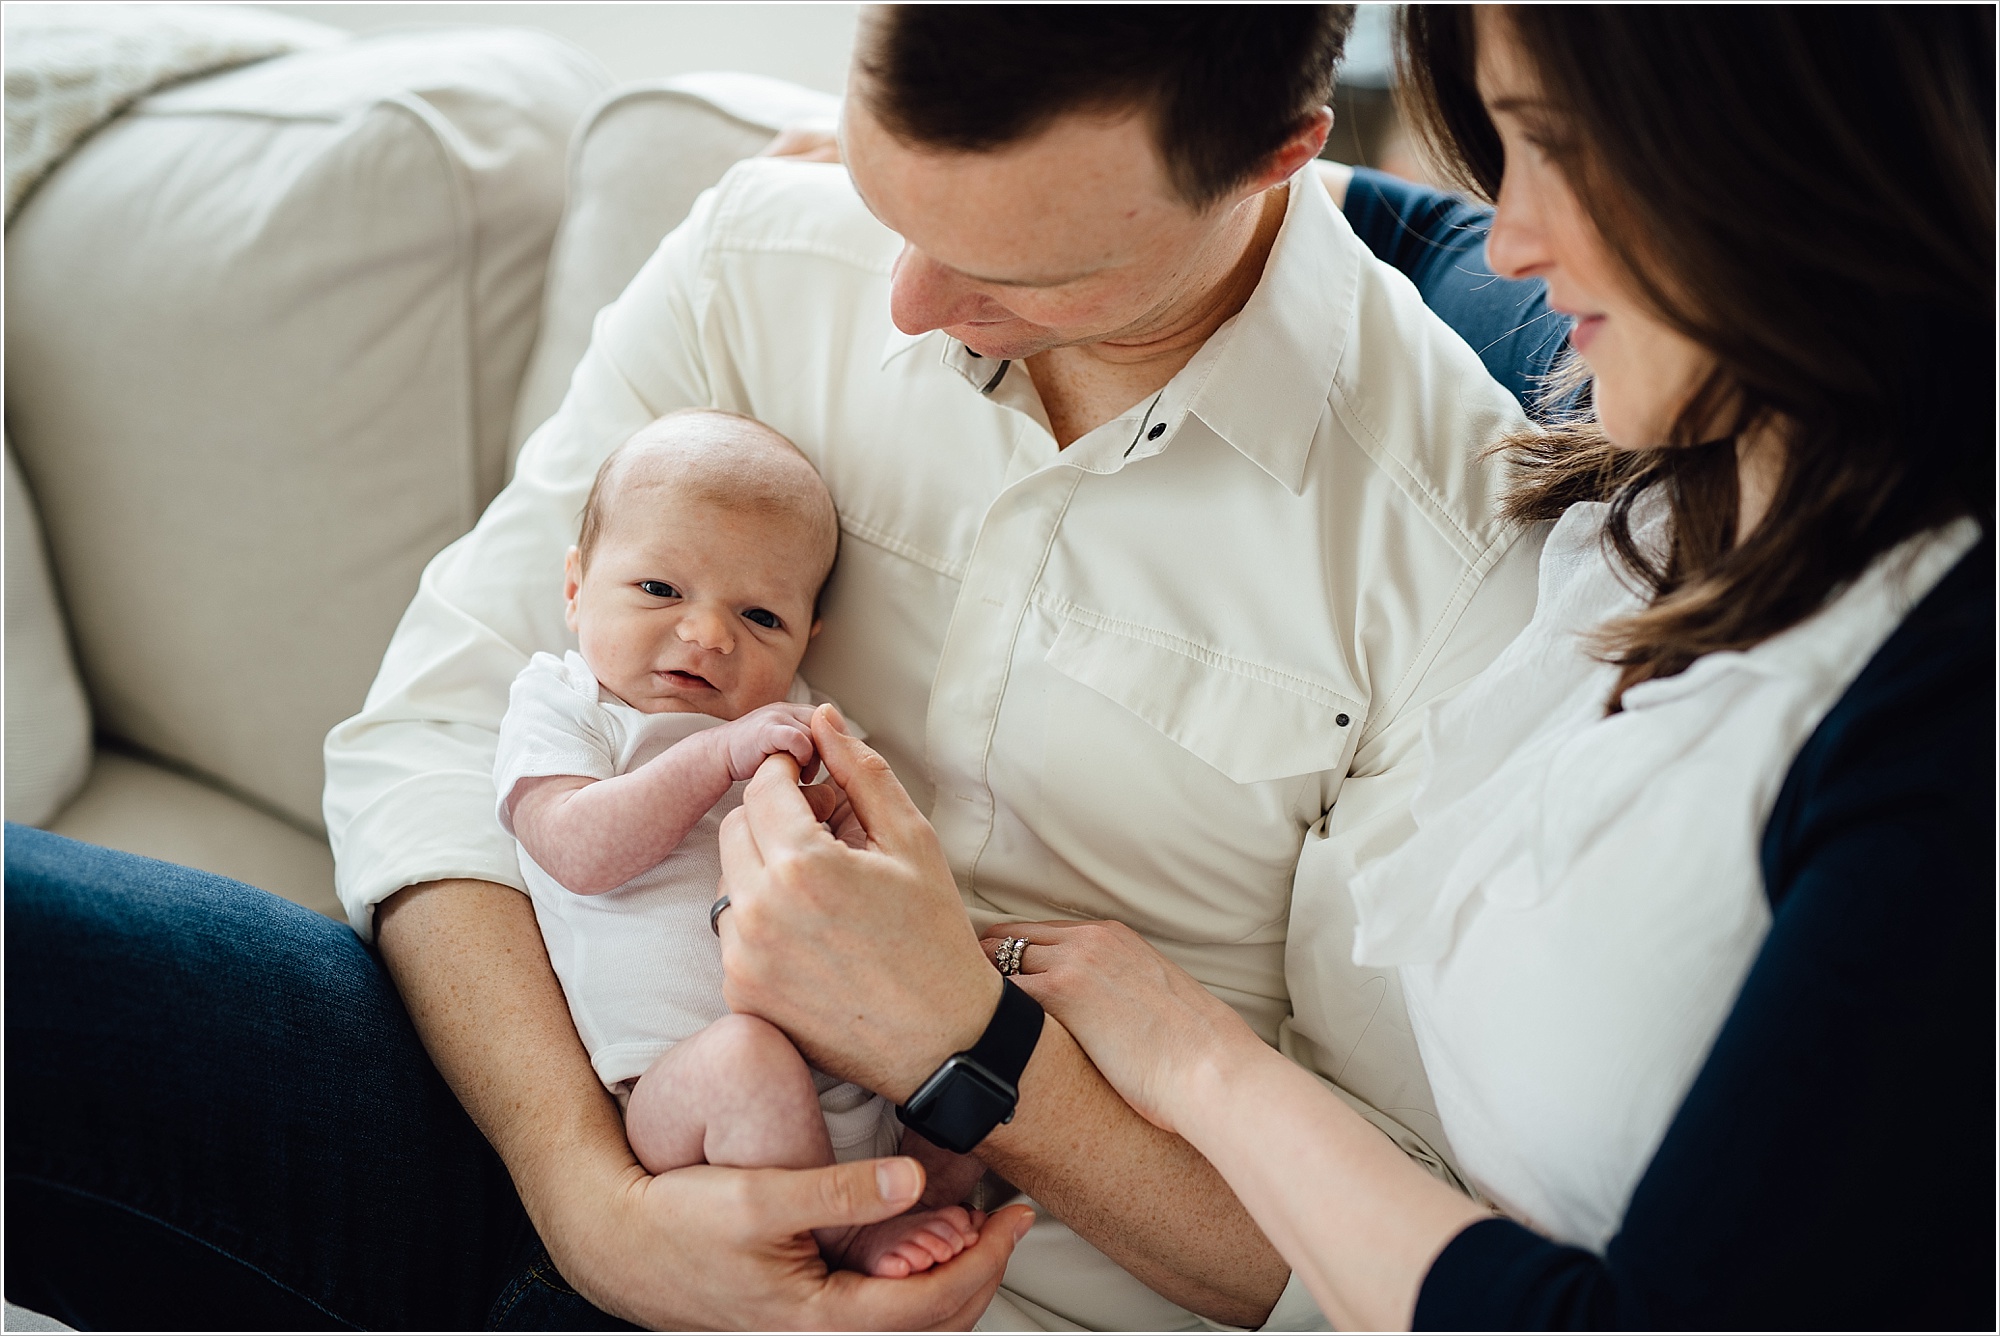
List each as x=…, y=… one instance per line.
x=434, y=828
x=1498, y=1275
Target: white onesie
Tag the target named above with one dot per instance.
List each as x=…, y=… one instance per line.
x=638, y=963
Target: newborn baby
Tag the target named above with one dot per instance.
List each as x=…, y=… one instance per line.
x=691, y=591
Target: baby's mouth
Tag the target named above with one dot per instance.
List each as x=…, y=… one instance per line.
x=690, y=680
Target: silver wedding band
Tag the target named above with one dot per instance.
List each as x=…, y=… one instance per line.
x=1007, y=955
x=715, y=914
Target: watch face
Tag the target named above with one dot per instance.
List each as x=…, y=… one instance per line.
x=959, y=1105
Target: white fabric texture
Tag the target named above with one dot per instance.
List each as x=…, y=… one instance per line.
x=48, y=716
x=639, y=963
x=1582, y=899
x=264, y=333
x=1127, y=679
x=642, y=155
x=71, y=68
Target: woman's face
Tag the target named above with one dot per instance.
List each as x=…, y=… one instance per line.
x=1644, y=369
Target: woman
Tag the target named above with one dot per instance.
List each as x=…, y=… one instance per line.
x=1695, y=930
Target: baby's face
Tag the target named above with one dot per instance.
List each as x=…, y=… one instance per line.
x=687, y=606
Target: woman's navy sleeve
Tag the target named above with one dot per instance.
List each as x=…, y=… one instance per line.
x=1439, y=242
x=1833, y=1165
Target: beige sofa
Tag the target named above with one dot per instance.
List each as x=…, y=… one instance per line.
x=273, y=337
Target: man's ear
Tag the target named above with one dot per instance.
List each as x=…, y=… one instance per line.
x=1301, y=147
x=572, y=582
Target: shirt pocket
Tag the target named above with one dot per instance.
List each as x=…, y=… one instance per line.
x=1251, y=722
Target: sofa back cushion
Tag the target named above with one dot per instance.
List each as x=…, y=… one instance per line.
x=641, y=157
x=265, y=334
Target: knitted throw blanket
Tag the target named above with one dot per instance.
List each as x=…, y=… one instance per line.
x=72, y=67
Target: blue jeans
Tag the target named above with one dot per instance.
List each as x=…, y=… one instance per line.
x=219, y=1117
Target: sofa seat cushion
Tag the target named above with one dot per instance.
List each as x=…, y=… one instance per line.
x=141, y=808
x=48, y=718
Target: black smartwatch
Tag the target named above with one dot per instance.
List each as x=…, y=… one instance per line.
x=976, y=1091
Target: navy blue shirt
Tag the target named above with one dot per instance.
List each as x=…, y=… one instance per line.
x=1833, y=1164
x=1439, y=241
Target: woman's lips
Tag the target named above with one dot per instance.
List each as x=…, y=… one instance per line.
x=1584, y=331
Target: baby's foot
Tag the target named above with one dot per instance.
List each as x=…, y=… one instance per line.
x=910, y=1243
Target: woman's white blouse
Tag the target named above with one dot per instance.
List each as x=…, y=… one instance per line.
x=1582, y=899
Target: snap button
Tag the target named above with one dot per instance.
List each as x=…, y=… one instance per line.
x=1159, y=429
x=1340, y=719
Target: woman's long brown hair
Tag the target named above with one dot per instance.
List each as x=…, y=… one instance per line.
x=1807, y=192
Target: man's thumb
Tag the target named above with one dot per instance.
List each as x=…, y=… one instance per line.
x=860, y=1193
x=873, y=791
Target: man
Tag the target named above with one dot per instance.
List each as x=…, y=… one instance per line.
x=1162, y=525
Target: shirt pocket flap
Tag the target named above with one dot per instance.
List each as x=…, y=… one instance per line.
x=1250, y=722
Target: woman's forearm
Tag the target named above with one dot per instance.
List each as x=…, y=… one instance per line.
x=1358, y=1220
x=1143, y=1197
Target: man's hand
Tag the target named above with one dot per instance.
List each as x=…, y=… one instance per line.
x=731, y=1249
x=780, y=729
x=855, y=942
x=893, y=982
x=700, y=1247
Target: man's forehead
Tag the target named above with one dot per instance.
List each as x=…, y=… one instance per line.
x=1084, y=194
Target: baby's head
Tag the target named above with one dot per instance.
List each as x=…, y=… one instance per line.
x=705, y=541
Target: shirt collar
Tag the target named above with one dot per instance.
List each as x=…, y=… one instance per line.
x=1262, y=380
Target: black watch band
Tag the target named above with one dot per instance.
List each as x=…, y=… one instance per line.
x=975, y=1091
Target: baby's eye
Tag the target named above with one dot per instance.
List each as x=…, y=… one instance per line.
x=658, y=589
x=768, y=620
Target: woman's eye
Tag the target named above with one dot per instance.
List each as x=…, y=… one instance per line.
x=658, y=589
x=767, y=620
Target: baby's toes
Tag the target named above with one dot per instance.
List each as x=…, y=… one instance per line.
x=919, y=1253
x=893, y=1265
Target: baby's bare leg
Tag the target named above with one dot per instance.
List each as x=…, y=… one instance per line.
x=737, y=1093
x=948, y=1178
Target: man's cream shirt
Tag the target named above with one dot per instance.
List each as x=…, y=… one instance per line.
x=1174, y=674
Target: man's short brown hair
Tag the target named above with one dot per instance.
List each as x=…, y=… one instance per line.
x=1226, y=84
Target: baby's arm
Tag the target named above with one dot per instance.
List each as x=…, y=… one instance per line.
x=595, y=834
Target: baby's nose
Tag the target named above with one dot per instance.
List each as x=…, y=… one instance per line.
x=708, y=628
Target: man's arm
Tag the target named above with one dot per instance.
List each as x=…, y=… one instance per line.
x=698, y=1248
x=1144, y=1197
x=881, y=928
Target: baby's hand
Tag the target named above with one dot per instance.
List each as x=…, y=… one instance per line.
x=770, y=730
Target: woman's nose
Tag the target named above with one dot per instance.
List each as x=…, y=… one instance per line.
x=1515, y=245
x=925, y=295
x=706, y=628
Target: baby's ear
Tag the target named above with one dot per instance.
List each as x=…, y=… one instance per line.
x=572, y=581
x=817, y=623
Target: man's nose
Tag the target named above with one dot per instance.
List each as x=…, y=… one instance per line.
x=708, y=628
x=925, y=295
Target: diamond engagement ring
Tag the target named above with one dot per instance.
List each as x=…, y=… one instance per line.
x=1007, y=955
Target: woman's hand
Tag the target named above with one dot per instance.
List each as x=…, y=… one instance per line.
x=855, y=944
x=1156, y=1034
x=805, y=141
x=730, y=1249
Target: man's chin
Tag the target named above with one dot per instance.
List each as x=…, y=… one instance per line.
x=1010, y=342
